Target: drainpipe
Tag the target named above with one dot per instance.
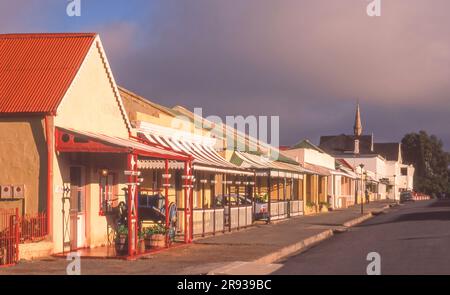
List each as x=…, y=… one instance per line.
x=49, y=134
x=185, y=183
x=269, y=184
x=191, y=183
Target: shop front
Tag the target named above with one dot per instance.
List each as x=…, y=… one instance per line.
x=279, y=188
x=101, y=199
x=222, y=193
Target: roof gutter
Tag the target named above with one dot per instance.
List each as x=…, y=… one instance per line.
x=26, y=114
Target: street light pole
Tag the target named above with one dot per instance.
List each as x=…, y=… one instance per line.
x=362, y=191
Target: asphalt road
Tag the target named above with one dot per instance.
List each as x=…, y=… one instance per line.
x=411, y=239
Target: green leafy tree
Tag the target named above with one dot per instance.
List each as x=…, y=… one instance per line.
x=427, y=155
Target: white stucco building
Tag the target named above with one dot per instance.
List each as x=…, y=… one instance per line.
x=383, y=162
x=338, y=174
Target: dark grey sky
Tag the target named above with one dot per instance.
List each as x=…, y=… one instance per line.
x=304, y=60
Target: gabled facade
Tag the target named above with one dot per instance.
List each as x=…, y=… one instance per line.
x=67, y=141
x=91, y=104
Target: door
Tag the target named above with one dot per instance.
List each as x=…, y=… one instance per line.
x=77, y=209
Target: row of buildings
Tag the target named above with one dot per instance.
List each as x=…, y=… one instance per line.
x=76, y=150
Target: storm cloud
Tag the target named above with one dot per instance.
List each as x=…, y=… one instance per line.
x=307, y=61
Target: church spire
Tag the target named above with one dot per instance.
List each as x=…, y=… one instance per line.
x=357, y=128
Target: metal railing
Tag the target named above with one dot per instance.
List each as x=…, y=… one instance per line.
x=9, y=236
x=33, y=228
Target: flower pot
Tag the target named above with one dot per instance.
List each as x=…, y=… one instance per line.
x=155, y=241
x=2, y=256
x=310, y=210
x=141, y=246
x=121, y=244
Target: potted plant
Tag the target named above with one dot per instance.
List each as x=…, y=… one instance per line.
x=121, y=241
x=141, y=241
x=324, y=205
x=155, y=236
x=2, y=256
x=310, y=207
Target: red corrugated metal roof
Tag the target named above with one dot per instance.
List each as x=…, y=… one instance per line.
x=346, y=163
x=37, y=69
x=139, y=147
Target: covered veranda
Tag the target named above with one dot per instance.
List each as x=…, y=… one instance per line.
x=317, y=188
x=279, y=186
x=342, y=188
x=222, y=193
x=95, y=224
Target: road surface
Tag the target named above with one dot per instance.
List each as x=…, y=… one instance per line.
x=411, y=239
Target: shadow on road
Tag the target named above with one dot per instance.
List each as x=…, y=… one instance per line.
x=426, y=237
x=422, y=216
x=440, y=203
x=428, y=213
x=419, y=216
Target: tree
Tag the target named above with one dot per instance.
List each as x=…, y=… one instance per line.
x=427, y=155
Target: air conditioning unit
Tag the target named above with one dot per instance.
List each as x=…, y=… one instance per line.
x=18, y=191
x=6, y=192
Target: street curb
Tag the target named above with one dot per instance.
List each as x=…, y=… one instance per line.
x=295, y=248
x=303, y=245
x=358, y=220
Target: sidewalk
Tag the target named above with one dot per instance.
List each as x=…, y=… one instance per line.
x=260, y=244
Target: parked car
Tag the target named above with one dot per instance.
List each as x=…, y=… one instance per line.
x=406, y=197
x=260, y=209
x=233, y=200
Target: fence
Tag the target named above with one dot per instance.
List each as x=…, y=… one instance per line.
x=208, y=221
x=33, y=228
x=279, y=210
x=9, y=237
x=240, y=217
x=295, y=208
